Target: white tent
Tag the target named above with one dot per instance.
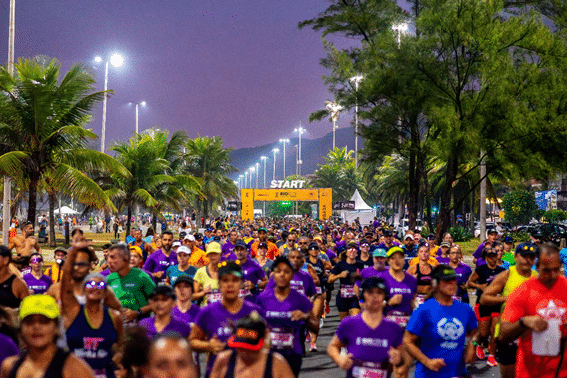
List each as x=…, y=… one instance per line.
x=65, y=210
x=361, y=210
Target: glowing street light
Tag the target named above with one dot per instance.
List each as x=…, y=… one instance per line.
x=275, y=151
x=284, y=141
x=299, y=130
x=252, y=170
x=116, y=60
x=264, y=158
x=334, y=109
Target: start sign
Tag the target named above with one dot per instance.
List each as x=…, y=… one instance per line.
x=289, y=184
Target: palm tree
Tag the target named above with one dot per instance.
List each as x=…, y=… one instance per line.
x=42, y=133
x=340, y=174
x=208, y=160
x=152, y=161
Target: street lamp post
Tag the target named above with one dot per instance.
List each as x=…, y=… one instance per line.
x=299, y=130
x=356, y=79
x=275, y=151
x=246, y=179
x=257, y=173
x=116, y=60
x=252, y=170
x=265, y=158
x=143, y=103
x=334, y=109
x=284, y=141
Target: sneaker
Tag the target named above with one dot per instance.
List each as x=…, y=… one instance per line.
x=327, y=308
x=313, y=348
x=491, y=361
x=480, y=352
x=308, y=338
x=321, y=322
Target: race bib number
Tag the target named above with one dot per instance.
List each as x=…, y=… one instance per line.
x=214, y=296
x=419, y=300
x=281, y=338
x=400, y=320
x=244, y=293
x=457, y=298
x=347, y=291
x=318, y=290
x=365, y=372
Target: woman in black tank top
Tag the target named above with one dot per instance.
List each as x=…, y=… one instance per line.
x=422, y=271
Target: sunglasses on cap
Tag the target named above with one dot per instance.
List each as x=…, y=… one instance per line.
x=527, y=250
x=95, y=285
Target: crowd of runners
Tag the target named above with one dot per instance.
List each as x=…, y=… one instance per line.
x=248, y=299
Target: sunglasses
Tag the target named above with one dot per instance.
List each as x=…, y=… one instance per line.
x=36, y=260
x=95, y=285
x=81, y=264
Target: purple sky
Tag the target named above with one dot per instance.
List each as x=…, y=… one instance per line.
x=238, y=69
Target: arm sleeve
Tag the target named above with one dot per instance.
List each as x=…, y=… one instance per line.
x=416, y=322
x=343, y=331
x=478, y=251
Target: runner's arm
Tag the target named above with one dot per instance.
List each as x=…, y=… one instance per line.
x=491, y=295
x=280, y=367
x=410, y=344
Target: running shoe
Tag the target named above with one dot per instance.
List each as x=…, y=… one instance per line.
x=313, y=347
x=480, y=352
x=327, y=308
x=491, y=361
x=321, y=322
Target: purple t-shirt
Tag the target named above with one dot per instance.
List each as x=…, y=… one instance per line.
x=332, y=255
x=7, y=347
x=368, y=346
x=215, y=320
x=158, y=261
x=286, y=334
x=443, y=260
x=175, y=325
x=478, y=253
x=301, y=282
x=39, y=286
x=463, y=272
x=251, y=271
x=105, y=272
x=367, y=273
x=407, y=288
x=187, y=317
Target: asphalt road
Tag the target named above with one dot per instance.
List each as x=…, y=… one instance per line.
x=318, y=364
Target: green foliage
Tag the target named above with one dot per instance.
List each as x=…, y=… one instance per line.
x=340, y=174
x=555, y=215
x=460, y=234
x=519, y=206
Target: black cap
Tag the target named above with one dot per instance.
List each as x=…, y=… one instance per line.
x=182, y=235
x=372, y=282
x=387, y=233
x=230, y=267
x=198, y=236
x=313, y=246
x=364, y=242
x=527, y=249
x=5, y=252
x=263, y=245
x=240, y=244
x=443, y=272
x=184, y=278
x=492, y=231
x=430, y=236
x=163, y=290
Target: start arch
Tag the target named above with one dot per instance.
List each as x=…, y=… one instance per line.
x=324, y=196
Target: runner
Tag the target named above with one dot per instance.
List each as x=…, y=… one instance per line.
x=289, y=245
x=287, y=312
x=212, y=328
x=273, y=251
x=248, y=357
x=25, y=243
x=12, y=288
x=347, y=302
x=170, y=356
x=535, y=314
x=373, y=343
x=228, y=247
x=253, y=276
x=463, y=272
x=379, y=266
x=320, y=267
x=422, y=272
x=206, y=280
x=37, y=282
x=439, y=332
x=182, y=268
x=302, y=281
x=491, y=236
x=487, y=315
x=364, y=257
x=498, y=292
x=184, y=309
x=163, y=258
x=54, y=270
x=162, y=302
x=136, y=257
x=261, y=258
x=142, y=244
x=443, y=253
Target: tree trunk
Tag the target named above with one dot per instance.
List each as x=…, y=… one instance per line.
x=32, y=198
x=427, y=193
x=129, y=217
x=52, y=240
x=413, y=178
x=444, y=222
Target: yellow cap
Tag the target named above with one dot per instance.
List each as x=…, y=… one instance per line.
x=136, y=249
x=213, y=247
x=393, y=250
x=39, y=305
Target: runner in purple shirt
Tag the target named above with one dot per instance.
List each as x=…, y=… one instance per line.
x=253, y=275
x=491, y=236
x=212, y=328
x=302, y=281
x=162, y=301
x=380, y=257
x=37, y=282
x=184, y=309
x=7, y=347
x=402, y=287
x=372, y=342
x=286, y=311
x=463, y=272
x=158, y=262
x=228, y=247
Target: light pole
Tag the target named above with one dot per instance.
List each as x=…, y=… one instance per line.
x=240, y=177
x=143, y=103
x=252, y=170
x=296, y=159
x=299, y=130
x=356, y=79
x=257, y=173
x=284, y=141
x=264, y=202
x=275, y=151
x=246, y=179
x=116, y=60
x=334, y=109
x=400, y=28
x=7, y=181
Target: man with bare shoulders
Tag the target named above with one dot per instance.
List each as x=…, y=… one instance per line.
x=25, y=243
x=12, y=288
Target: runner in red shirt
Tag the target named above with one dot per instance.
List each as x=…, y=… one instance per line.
x=536, y=313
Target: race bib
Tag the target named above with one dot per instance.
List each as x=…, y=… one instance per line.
x=365, y=372
x=318, y=290
x=244, y=293
x=281, y=338
x=457, y=298
x=347, y=291
x=419, y=299
x=214, y=296
x=400, y=320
